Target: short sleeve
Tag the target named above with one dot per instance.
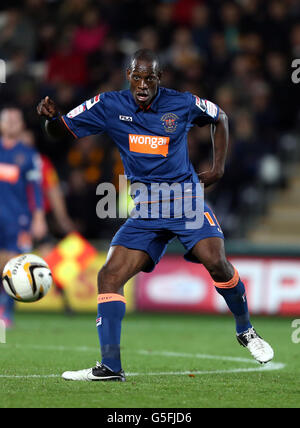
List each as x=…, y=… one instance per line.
x=88, y=118
x=203, y=112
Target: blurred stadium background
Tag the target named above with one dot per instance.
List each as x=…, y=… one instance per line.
x=236, y=53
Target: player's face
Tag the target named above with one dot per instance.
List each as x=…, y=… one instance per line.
x=12, y=123
x=144, y=78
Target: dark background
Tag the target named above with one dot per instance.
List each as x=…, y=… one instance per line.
x=238, y=54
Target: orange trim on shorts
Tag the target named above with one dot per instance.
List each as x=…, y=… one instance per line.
x=69, y=129
x=230, y=284
x=210, y=220
x=110, y=297
x=166, y=200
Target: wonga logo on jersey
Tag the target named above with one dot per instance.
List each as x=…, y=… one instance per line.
x=149, y=144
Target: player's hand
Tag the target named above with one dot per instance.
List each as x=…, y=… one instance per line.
x=210, y=177
x=47, y=108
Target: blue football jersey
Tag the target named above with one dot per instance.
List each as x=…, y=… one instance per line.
x=153, y=142
x=20, y=182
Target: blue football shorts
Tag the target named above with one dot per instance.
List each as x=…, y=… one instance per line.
x=153, y=235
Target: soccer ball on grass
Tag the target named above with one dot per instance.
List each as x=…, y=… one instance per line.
x=27, y=278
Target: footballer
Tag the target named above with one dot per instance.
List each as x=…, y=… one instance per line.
x=22, y=215
x=150, y=125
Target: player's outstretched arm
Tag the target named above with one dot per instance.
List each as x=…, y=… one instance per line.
x=220, y=137
x=53, y=125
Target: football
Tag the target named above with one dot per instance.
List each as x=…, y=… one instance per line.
x=27, y=278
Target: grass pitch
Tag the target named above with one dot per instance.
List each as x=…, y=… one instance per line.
x=171, y=361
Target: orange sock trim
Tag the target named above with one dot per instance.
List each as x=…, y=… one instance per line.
x=110, y=297
x=230, y=284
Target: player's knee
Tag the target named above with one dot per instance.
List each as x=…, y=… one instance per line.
x=108, y=280
x=219, y=268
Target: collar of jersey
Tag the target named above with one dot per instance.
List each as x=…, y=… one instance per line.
x=153, y=106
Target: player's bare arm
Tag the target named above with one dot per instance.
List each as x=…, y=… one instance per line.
x=220, y=137
x=53, y=125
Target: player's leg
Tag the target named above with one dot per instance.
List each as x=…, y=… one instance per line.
x=211, y=253
x=7, y=303
x=121, y=265
x=15, y=240
x=137, y=246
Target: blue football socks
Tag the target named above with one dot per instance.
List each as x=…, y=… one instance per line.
x=111, y=311
x=234, y=294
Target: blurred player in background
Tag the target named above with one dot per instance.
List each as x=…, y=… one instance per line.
x=22, y=217
x=55, y=208
x=59, y=223
x=136, y=119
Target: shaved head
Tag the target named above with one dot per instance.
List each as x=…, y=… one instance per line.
x=145, y=55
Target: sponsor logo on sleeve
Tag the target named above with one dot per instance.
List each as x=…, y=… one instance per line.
x=90, y=103
x=200, y=103
x=76, y=111
x=87, y=105
x=211, y=109
x=207, y=107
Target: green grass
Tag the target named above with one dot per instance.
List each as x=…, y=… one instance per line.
x=48, y=344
